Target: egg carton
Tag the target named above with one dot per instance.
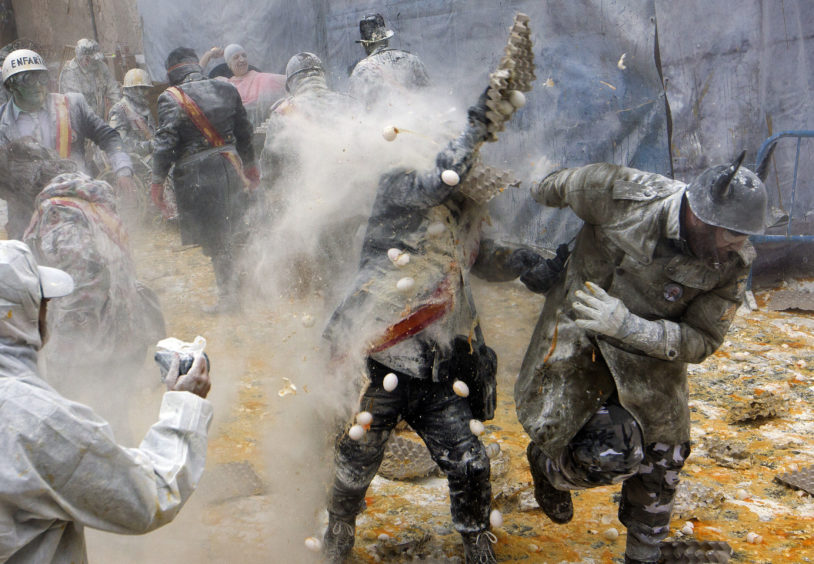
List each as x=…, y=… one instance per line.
x=728, y=453
x=406, y=459
x=514, y=73
x=694, y=552
x=401, y=550
x=765, y=406
x=801, y=480
x=694, y=500
x=483, y=182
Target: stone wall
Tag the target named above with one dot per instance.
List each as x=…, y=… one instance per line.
x=56, y=25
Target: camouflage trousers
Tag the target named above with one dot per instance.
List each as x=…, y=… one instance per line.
x=441, y=419
x=609, y=449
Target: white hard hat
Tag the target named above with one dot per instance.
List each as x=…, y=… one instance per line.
x=136, y=77
x=22, y=60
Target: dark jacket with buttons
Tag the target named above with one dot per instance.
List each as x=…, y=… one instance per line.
x=631, y=246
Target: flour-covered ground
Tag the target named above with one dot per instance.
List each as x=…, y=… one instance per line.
x=269, y=457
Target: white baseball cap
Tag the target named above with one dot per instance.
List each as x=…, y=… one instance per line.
x=23, y=282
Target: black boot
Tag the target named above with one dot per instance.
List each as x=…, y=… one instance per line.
x=225, y=278
x=478, y=547
x=556, y=504
x=339, y=539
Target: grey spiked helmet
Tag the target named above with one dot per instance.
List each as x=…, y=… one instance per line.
x=731, y=197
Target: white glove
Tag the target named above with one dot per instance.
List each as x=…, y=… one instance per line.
x=599, y=312
x=606, y=315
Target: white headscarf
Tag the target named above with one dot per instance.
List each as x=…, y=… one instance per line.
x=232, y=50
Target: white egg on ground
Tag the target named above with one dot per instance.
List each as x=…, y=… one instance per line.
x=450, y=177
x=496, y=518
x=753, y=538
x=313, y=544
x=476, y=427
x=390, y=132
x=405, y=284
x=611, y=534
x=308, y=320
x=391, y=381
x=460, y=388
x=356, y=432
x=517, y=99
x=364, y=418
x=403, y=259
x=393, y=254
x=688, y=528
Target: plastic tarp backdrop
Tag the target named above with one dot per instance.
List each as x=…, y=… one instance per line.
x=733, y=73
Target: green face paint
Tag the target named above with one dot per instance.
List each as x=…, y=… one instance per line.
x=30, y=90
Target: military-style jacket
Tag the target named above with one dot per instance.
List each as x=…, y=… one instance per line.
x=178, y=137
x=96, y=84
x=387, y=72
x=135, y=126
x=405, y=326
x=631, y=246
x=82, y=124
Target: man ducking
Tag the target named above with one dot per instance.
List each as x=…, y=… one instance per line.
x=653, y=283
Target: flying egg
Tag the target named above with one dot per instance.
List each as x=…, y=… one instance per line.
x=313, y=544
x=390, y=132
x=364, y=418
x=398, y=257
x=496, y=518
x=405, y=284
x=476, y=427
x=356, y=432
x=436, y=229
x=460, y=388
x=450, y=177
x=390, y=382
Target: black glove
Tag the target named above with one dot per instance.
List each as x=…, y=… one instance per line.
x=540, y=277
x=523, y=260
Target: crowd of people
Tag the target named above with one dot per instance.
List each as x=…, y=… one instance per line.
x=651, y=283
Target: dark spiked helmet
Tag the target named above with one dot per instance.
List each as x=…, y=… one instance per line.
x=731, y=197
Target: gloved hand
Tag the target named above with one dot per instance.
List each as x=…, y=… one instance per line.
x=253, y=174
x=195, y=381
x=606, y=315
x=157, y=196
x=523, y=260
x=541, y=274
x=600, y=312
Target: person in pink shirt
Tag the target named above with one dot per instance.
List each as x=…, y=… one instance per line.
x=258, y=90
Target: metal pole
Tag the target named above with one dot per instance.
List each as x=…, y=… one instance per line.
x=93, y=20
